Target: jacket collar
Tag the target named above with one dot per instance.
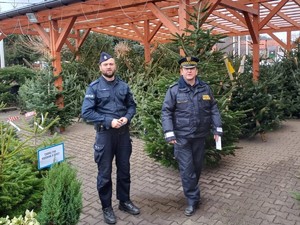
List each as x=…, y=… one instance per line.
x=182, y=84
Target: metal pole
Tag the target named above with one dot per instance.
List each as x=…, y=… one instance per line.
x=247, y=46
x=2, y=62
x=239, y=45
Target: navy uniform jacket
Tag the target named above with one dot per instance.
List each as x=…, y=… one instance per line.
x=107, y=100
x=190, y=112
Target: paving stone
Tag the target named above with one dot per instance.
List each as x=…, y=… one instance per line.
x=254, y=187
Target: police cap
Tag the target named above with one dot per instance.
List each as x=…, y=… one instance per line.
x=188, y=62
x=104, y=56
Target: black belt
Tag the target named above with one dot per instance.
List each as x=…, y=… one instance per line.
x=100, y=127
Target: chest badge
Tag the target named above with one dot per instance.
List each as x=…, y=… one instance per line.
x=205, y=97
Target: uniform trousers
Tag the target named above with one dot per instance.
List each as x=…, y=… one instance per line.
x=109, y=144
x=189, y=153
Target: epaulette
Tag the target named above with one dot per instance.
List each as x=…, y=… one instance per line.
x=203, y=83
x=94, y=82
x=172, y=85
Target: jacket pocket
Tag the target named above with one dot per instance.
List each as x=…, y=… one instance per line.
x=98, y=152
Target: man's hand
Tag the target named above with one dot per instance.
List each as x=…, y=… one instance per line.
x=216, y=137
x=123, y=120
x=173, y=142
x=117, y=123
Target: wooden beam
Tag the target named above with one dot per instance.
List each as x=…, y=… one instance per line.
x=241, y=23
x=154, y=31
x=212, y=4
x=137, y=31
x=297, y=2
x=272, y=13
x=281, y=43
x=223, y=27
x=146, y=42
x=44, y=35
x=235, y=5
x=288, y=41
x=88, y=8
x=120, y=35
x=282, y=15
x=253, y=32
x=70, y=46
x=163, y=18
x=56, y=63
x=64, y=34
x=80, y=41
x=255, y=57
x=121, y=19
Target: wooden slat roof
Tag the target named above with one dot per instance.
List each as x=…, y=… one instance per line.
x=126, y=18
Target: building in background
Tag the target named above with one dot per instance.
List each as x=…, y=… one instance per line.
x=270, y=50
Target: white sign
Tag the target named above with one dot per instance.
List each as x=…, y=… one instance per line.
x=49, y=155
x=219, y=144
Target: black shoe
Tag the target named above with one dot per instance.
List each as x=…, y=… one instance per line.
x=129, y=207
x=190, y=210
x=109, y=215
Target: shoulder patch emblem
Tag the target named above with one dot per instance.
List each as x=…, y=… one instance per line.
x=205, y=97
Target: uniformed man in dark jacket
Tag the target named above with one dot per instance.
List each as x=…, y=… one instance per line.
x=109, y=104
x=189, y=113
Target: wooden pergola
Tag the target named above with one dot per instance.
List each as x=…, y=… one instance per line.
x=148, y=22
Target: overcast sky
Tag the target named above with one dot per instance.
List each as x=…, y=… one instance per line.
x=6, y=5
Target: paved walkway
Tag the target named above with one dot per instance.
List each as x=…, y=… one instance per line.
x=252, y=188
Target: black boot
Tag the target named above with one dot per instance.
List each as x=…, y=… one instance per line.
x=109, y=215
x=191, y=209
x=129, y=207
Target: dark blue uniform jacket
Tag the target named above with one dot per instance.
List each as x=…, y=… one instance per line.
x=105, y=101
x=190, y=112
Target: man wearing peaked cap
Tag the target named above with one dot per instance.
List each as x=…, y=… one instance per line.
x=188, y=62
x=104, y=56
x=189, y=113
x=109, y=104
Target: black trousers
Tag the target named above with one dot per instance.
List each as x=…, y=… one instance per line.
x=109, y=144
x=189, y=153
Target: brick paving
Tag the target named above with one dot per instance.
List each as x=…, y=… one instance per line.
x=254, y=187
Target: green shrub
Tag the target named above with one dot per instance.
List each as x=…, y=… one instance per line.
x=290, y=82
x=62, y=198
x=76, y=78
x=40, y=95
x=21, y=184
x=262, y=101
x=11, y=78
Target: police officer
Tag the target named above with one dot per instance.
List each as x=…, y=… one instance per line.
x=109, y=104
x=189, y=112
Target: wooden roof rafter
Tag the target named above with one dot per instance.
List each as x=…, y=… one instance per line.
x=114, y=17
